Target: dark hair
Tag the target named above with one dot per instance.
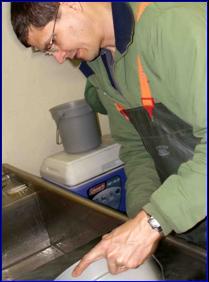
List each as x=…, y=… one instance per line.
x=24, y=14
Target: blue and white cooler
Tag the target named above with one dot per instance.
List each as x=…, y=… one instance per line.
x=97, y=175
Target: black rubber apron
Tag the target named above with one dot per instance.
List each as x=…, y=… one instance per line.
x=170, y=142
x=167, y=138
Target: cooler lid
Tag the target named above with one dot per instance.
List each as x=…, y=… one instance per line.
x=106, y=145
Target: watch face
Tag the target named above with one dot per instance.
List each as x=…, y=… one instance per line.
x=154, y=223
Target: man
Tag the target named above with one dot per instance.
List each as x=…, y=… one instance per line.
x=145, y=65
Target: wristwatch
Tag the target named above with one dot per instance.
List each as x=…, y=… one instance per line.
x=155, y=224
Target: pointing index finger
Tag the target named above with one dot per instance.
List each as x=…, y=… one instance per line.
x=95, y=254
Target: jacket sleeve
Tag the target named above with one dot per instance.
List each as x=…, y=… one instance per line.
x=180, y=202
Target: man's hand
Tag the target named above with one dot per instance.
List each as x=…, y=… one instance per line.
x=127, y=246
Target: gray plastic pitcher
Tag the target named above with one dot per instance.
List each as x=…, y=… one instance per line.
x=77, y=126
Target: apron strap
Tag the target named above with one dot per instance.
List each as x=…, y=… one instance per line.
x=146, y=96
x=140, y=9
x=122, y=111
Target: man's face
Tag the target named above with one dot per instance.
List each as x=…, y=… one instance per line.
x=76, y=35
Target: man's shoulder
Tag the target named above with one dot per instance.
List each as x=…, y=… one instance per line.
x=162, y=7
x=159, y=9
x=170, y=14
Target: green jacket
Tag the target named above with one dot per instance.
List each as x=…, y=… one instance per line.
x=170, y=39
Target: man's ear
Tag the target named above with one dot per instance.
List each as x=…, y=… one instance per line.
x=73, y=5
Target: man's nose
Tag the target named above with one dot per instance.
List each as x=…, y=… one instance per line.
x=59, y=56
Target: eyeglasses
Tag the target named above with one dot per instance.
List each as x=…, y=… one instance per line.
x=50, y=48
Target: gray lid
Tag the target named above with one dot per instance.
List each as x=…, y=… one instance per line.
x=71, y=109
